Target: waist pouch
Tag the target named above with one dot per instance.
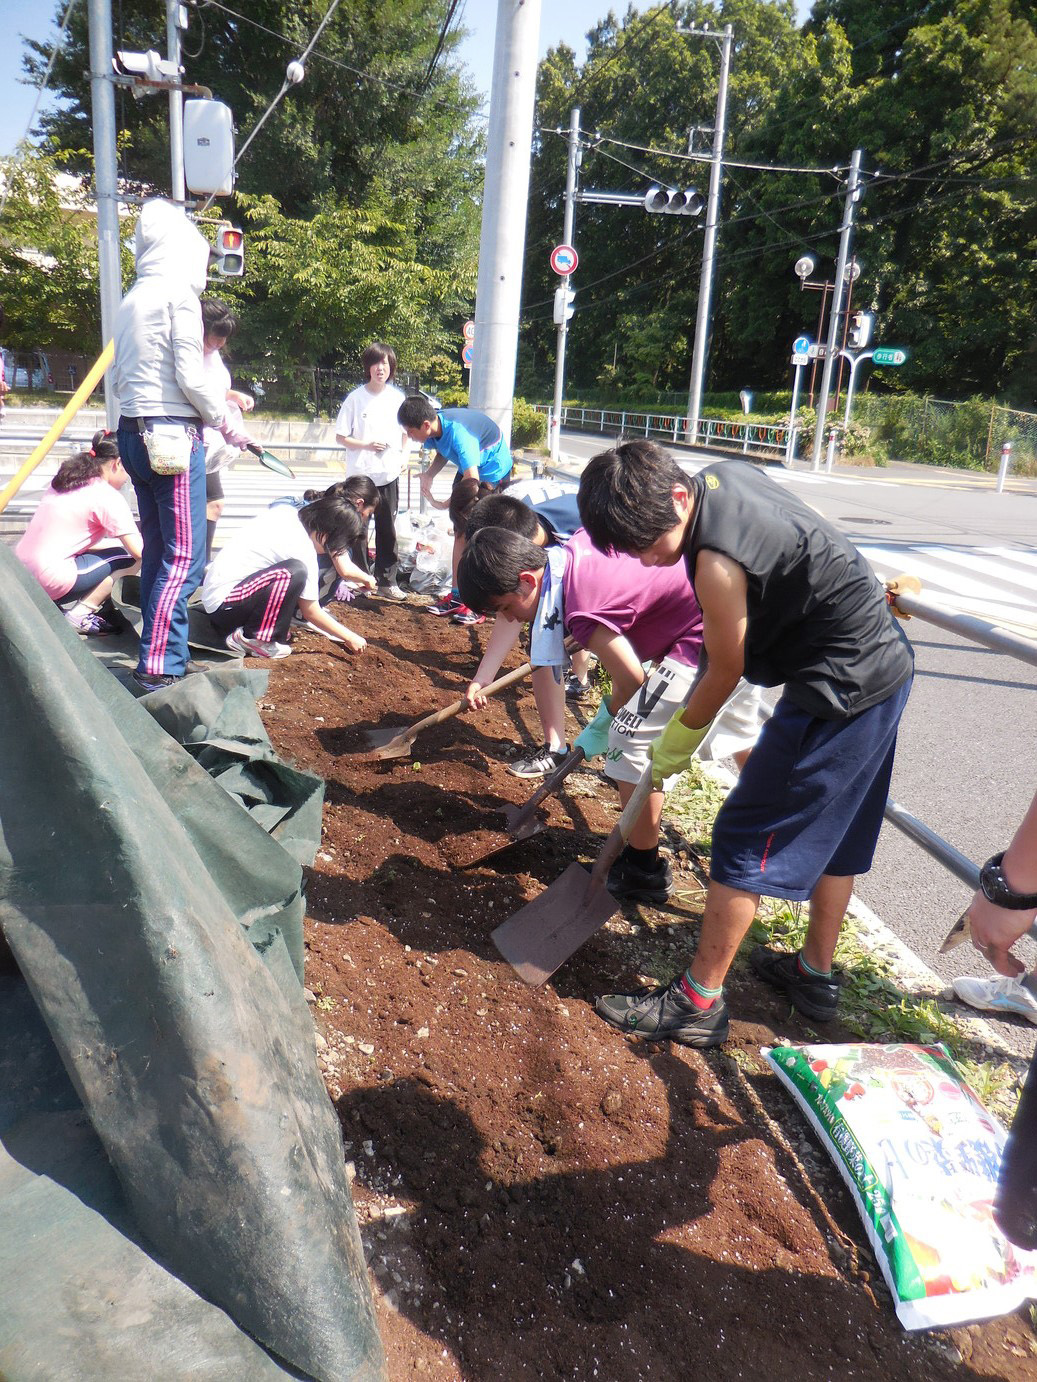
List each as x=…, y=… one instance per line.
x=169, y=447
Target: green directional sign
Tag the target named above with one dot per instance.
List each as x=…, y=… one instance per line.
x=888, y=355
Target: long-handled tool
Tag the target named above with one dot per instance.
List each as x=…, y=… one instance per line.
x=522, y=821
x=395, y=743
x=542, y=936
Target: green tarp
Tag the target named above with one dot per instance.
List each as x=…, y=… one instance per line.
x=156, y=924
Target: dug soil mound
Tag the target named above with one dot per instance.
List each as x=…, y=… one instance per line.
x=540, y=1197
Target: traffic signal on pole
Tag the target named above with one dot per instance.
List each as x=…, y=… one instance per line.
x=229, y=252
x=673, y=202
x=860, y=329
x=564, y=298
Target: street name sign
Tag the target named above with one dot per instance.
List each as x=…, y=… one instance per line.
x=888, y=355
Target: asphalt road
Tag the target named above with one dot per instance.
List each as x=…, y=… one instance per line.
x=967, y=754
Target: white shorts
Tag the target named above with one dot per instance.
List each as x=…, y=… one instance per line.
x=647, y=713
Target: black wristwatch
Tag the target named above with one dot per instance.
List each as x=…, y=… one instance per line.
x=996, y=890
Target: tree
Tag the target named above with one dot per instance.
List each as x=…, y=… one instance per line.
x=48, y=256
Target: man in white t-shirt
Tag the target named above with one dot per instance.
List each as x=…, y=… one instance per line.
x=375, y=444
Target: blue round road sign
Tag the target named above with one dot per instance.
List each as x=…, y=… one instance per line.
x=801, y=345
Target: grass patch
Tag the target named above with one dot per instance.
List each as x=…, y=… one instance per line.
x=872, y=1003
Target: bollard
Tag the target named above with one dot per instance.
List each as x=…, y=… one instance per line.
x=1006, y=458
x=830, y=456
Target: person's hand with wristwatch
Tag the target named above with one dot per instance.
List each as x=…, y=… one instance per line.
x=1000, y=912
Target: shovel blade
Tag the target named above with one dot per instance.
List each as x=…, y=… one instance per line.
x=542, y=936
x=388, y=743
x=275, y=464
x=520, y=822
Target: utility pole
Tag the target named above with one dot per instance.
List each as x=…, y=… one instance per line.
x=502, y=242
x=178, y=184
x=702, y=321
x=571, y=166
x=853, y=194
x=102, y=99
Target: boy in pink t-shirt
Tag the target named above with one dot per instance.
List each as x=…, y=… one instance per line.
x=83, y=533
x=627, y=614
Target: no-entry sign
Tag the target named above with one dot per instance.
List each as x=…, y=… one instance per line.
x=564, y=259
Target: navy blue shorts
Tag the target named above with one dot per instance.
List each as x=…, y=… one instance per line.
x=809, y=801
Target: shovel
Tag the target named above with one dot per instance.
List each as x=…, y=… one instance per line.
x=542, y=936
x=395, y=743
x=275, y=464
x=521, y=821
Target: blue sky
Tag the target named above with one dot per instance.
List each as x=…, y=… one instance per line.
x=568, y=22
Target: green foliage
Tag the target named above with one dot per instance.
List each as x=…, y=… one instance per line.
x=528, y=427
x=48, y=257
x=942, y=99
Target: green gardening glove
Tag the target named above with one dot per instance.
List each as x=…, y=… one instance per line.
x=594, y=738
x=671, y=752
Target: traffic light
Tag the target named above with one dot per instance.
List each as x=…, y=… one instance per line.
x=672, y=202
x=860, y=329
x=563, y=304
x=146, y=67
x=229, y=252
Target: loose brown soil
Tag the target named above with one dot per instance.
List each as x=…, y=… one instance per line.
x=539, y=1196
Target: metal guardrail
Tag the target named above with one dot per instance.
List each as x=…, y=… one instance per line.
x=976, y=630
x=750, y=438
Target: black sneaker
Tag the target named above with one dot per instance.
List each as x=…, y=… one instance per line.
x=149, y=682
x=815, y=998
x=540, y=763
x=577, y=690
x=665, y=1014
x=633, y=884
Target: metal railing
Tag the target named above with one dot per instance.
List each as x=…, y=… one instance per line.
x=976, y=630
x=745, y=438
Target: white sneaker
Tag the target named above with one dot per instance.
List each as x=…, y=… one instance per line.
x=1000, y=995
x=392, y=592
x=255, y=647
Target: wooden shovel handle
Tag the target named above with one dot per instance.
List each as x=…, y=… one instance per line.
x=501, y=684
x=550, y=784
x=623, y=827
x=449, y=711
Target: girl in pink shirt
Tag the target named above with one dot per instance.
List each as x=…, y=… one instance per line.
x=83, y=533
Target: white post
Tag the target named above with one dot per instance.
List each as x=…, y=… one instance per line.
x=106, y=189
x=831, y=451
x=571, y=165
x=852, y=197
x=698, y=361
x=1002, y=474
x=792, y=415
x=854, y=360
x=502, y=241
x=178, y=184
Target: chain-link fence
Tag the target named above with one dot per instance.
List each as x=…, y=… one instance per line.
x=936, y=431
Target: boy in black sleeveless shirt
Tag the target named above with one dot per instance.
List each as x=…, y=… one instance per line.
x=786, y=599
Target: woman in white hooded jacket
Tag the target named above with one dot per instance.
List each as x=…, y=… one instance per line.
x=166, y=396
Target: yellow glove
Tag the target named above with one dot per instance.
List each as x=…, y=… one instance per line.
x=671, y=752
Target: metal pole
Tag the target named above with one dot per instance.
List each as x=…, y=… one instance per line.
x=572, y=163
x=852, y=197
x=968, y=626
x=1006, y=456
x=502, y=241
x=176, y=106
x=854, y=362
x=792, y=413
x=702, y=321
x=952, y=860
x=102, y=100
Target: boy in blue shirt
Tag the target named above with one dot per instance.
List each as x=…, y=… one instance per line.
x=476, y=445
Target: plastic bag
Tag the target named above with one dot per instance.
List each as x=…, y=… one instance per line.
x=433, y=548
x=920, y=1155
